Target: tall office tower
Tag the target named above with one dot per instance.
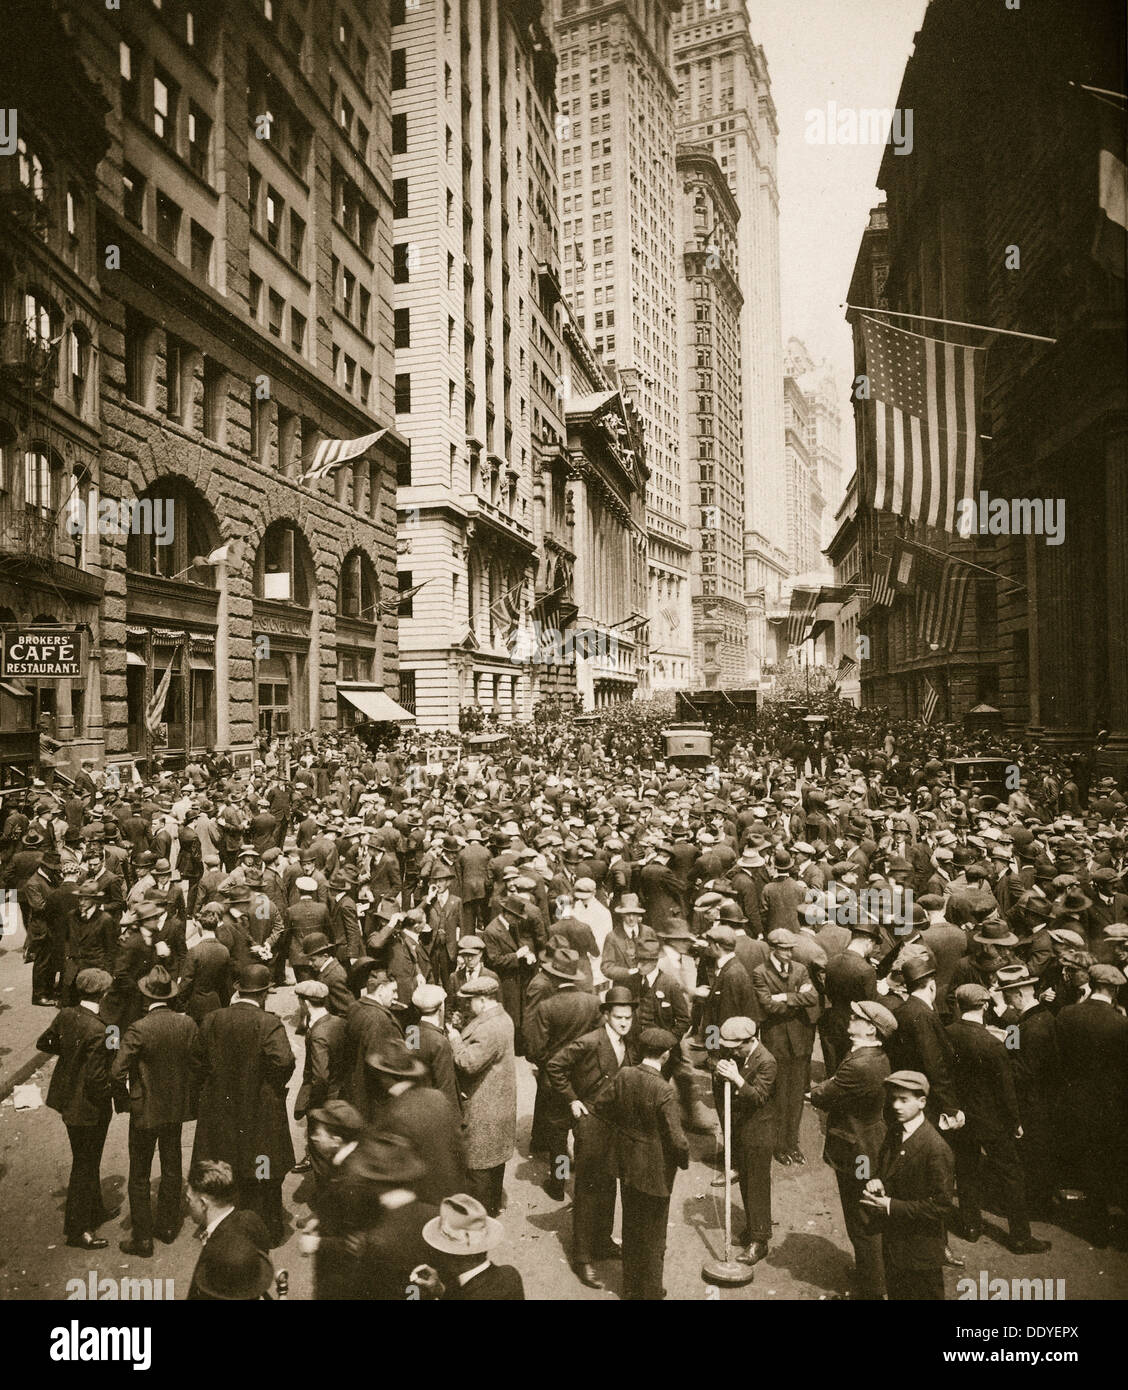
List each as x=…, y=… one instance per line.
x=616, y=128
x=479, y=357
x=709, y=303
x=805, y=505
x=820, y=419
x=725, y=101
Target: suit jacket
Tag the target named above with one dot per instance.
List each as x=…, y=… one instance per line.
x=754, y=1112
x=780, y=901
x=446, y=923
x=650, y=1146
x=236, y=1227
x=425, y=1118
x=920, y=1177
x=487, y=1074
x=1093, y=1042
x=854, y=1099
x=332, y=973
x=921, y=1044
x=323, y=1070
x=344, y=925
x=208, y=978
x=91, y=942
x=435, y=1051
x=788, y=1029
x=663, y=1004
x=474, y=872
x=663, y=894
x=242, y=1062
x=152, y=1073
x=620, y=954
x=306, y=917
x=584, y=1069
x=497, y=1284
x=730, y=995
x=984, y=1081
x=557, y=1019
x=948, y=945
x=80, y=1083
x=368, y=1025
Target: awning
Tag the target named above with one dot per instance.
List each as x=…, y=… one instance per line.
x=200, y=663
x=132, y=659
x=376, y=705
x=15, y=689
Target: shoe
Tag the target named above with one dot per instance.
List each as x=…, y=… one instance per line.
x=586, y=1275
x=166, y=1237
x=303, y=1167
x=42, y=1002
x=719, y=1180
x=972, y=1233
x=952, y=1261
x=144, y=1248
x=611, y=1251
x=797, y=1158
x=88, y=1241
x=755, y=1253
x=1030, y=1246
x=554, y=1188
x=783, y=1159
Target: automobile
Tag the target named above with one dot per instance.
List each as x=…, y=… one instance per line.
x=989, y=773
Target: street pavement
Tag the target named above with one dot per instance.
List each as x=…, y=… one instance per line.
x=809, y=1258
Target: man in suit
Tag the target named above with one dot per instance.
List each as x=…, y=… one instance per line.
x=409, y=1106
x=321, y=963
x=461, y=1236
x=152, y=1077
x=323, y=1068
x=749, y=1069
x=788, y=1004
x=91, y=941
x=471, y=964
x=782, y=898
x=138, y=951
x=849, y=976
x=1093, y=1042
x=44, y=948
x=556, y=1020
x=307, y=916
x=984, y=1082
x=510, y=949
x=243, y=1061
x=854, y=1098
x=485, y=1061
x=475, y=878
x=650, y=1147
x=662, y=890
x=428, y=1040
x=80, y=1092
x=664, y=1003
x=369, y=1024
x=221, y=1227
x=344, y=922
x=730, y=993
x=619, y=961
x=920, y=1043
x=581, y=1073
x=444, y=914
x=910, y=1200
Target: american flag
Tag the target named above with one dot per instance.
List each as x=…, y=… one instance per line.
x=331, y=452
x=931, y=700
x=848, y=669
x=673, y=621
x=154, y=711
x=926, y=395
x=883, y=592
x=803, y=604
x=941, y=595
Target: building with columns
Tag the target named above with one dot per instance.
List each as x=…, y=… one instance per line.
x=479, y=355
x=709, y=304
x=620, y=263
x=214, y=250
x=725, y=102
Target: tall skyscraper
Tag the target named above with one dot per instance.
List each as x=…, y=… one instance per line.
x=812, y=433
x=616, y=127
x=725, y=101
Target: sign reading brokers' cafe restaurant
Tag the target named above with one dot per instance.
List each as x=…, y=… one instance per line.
x=42, y=653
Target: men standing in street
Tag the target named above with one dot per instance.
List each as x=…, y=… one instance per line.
x=80, y=1092
x=243, y=1062
x=369, y=1025
x=582, y=1073
x=750, y=1069
x=152, y=1076
x=854, y=1098
x=650, y=1147
x=910, y=1199
x=323, y=1070
x=487, y=1074
x=787, y=1001
x=408, y=1105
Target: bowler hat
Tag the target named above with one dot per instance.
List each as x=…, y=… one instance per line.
x=618, y=995
x=235, y=1269
x=254, y=979
x=916, y=968
x=316, y=943
x=463, y=1227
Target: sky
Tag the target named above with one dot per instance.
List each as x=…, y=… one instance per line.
x=851, y=52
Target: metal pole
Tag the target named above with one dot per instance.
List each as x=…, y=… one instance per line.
x=728, y=1171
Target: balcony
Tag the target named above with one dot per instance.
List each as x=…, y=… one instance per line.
x=31, y=545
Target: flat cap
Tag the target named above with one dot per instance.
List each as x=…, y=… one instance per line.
x=471, y=943
x=93, y=981
x=1106, y=975
x=427, y=998
x=338, y=1115
x=1115, y=931
x=781, y=937
x=877, y=1014
x=305, y=884
x=311, y=989
x=972, y=996
x=722, y=935
x=909, y=1081
x=736, y=1030
x=483, y=986
x=657, y=1039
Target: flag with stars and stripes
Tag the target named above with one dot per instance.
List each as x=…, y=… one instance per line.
x=926, y=395
x=882, y=588
x=931, y=700
x=848, y=669
x=941, y=596
x=331, y=452
x=803, y=604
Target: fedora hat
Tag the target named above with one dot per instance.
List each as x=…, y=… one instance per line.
x=629, y=904
x=393, y=1059
x=1072, y=902
x=562, y=964
x=463, y=1227
x=254, y=979
x=158, y=984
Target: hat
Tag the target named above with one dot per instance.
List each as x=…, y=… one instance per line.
x=338, y=1114
x=677, y=930
x=995, y=932
x=87, y=890
x=237, y=892
x=1072, y=903
x=388, y=1159
x=1064, y=937
x=361, y=972
x=584, y=885
x=781, y=859
x=463, y=1227
x=254, y=979
x=440, y=870
x=908, y=1081
x=315, y=943
x=915, y=968
x=161, y=866
x=618, y=994
x=722, y=934
x=343, y=876
x=146, y=911
x=470, y=943
x=875, y=1013
x=92, y=982
x=782, y=937
x=1013, y=977
x=629, y=903
x=736, y=1030
x=730, y=912
x=234, y=1269
x=563, y=963
x=312, y=989
x=480, y=988
x=427, y=998
x=392, y=1058
x=305, y=884
x=1115, y=931
x=1106, y=975
x=972, y=996
x=657, y=1040
x=158, y=984
x=145, y=860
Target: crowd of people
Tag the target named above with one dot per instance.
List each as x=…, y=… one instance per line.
x=824, y=920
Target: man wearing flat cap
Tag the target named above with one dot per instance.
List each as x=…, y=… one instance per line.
x=746, y=1065
x=910, y=1199
x=80, y=1092
x=429, y=1040
x=324, y=1066
x=984, y=1080
x=650, y=1147
x=788, y=1004
x=854, y=1099
x=152, y=1077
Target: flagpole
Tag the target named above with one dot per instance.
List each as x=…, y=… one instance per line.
x=952, y=323
x=959, y=560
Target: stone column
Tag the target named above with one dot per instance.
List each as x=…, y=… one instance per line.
x=222, y=662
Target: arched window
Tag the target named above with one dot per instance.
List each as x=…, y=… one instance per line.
x=171, y=526
x=358, y=593
x=284, y=566
x=42, y=476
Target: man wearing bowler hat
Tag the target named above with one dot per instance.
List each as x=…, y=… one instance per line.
x=582, y=1073
x=650, y=1147
x=152, y=1076
x=408, y=1105
x=243, y=1062
x=323, y=1069
x=854, y=1098
x=910, y=1199
x=320, y=963
x=461, y=1237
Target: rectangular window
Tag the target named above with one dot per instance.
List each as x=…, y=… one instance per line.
x=297, y=331
x=129, y=84
x=215, y=401
x=399, y=198
x=403, y=578
x=199, y=138
x=274, y=209
x=399, y=263
x=399, y=69
x=399, y=134
x=297, y=240
x=201, y=252
x=168, y=223
x=403, y=393
x=254, y=297
x=174, y=369
x=277, y=309
x=133, y=195
x=165, y=95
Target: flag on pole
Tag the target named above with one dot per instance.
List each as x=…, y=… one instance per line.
x=941, y=597
x=926, y=396
x=392, y=605
x=332, y=452
x=226, y=552
x=882, y=588
x=848, y=669
x=931, y=700
x=154, y=713
x=803, y=604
